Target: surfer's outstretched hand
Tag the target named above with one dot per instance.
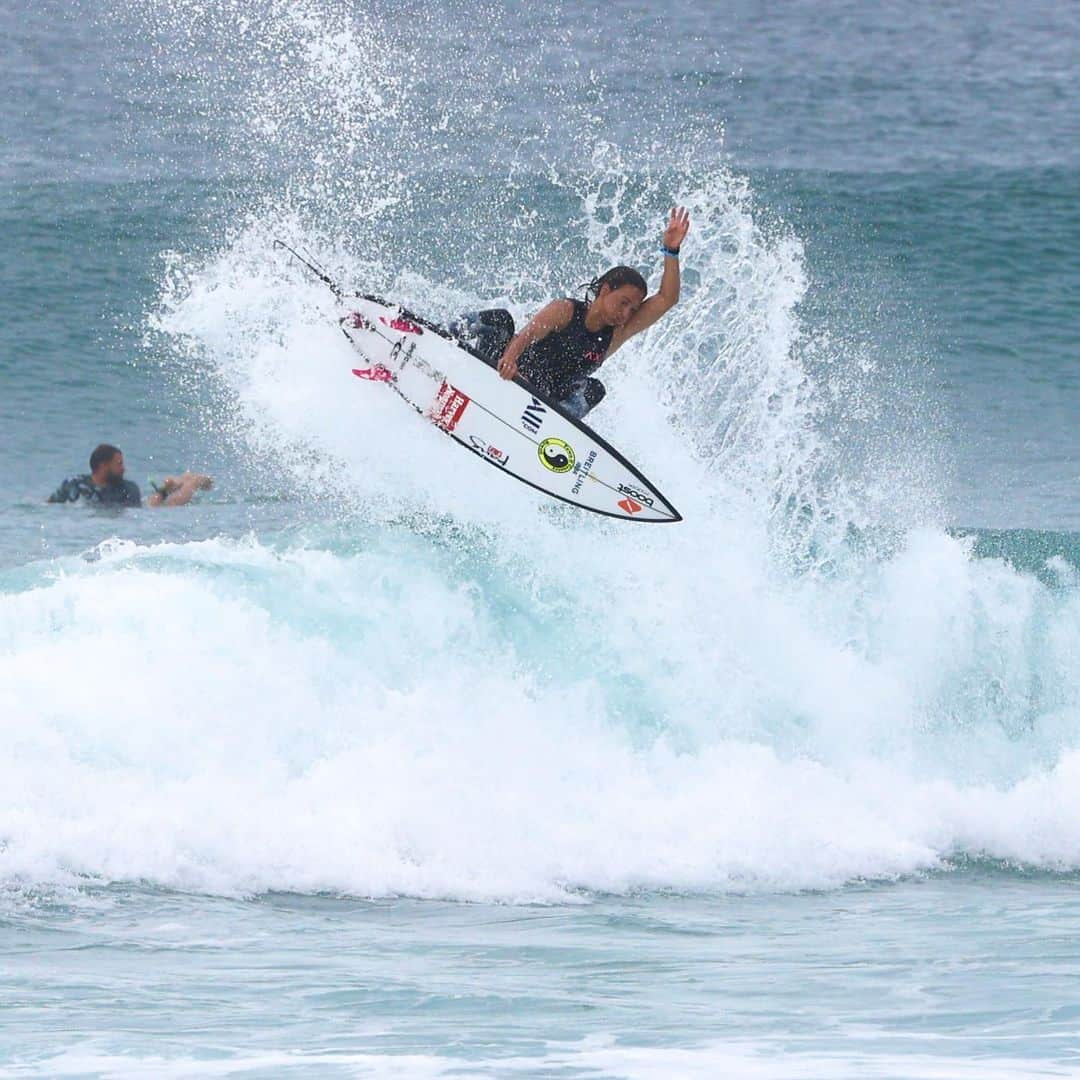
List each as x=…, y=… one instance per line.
x=677, y=227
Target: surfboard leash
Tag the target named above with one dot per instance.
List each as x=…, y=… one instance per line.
x=321, y=274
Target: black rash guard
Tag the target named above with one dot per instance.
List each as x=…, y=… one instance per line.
x=118, y=493
x=558, y=363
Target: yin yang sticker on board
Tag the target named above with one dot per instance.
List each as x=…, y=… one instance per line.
x=556, y=455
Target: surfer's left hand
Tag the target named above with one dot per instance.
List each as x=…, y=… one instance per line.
x=677, y=227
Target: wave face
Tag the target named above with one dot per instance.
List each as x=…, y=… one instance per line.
x=440, y=685
x=525, y=714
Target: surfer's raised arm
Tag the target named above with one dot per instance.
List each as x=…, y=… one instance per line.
x=565, y=343
x=667, y=296
x=548, y=320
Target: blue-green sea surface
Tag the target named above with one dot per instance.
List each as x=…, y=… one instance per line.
x=371, y=762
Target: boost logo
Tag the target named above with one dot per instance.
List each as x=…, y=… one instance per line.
x=556, y=455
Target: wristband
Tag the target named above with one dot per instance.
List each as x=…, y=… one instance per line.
x=673, y=252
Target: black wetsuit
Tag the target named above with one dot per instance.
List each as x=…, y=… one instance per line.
x=561, y=365
x=116, y=493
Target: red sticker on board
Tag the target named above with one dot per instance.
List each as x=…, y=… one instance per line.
x=630, y=506
x=449, y=404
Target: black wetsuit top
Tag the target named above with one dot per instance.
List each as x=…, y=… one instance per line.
x=118, y=493
x=560, y=361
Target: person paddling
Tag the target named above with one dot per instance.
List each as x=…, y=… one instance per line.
x=565, y=342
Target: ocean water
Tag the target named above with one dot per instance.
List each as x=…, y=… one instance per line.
x=369, y=764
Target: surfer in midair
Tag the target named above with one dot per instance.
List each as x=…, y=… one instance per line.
x=565, y=342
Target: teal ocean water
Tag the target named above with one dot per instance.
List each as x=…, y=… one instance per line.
x=369, y=764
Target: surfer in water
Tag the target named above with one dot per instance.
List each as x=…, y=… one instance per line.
x=565, y=342
x=105, y=485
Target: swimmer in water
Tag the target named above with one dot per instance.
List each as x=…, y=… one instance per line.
x=105, y=485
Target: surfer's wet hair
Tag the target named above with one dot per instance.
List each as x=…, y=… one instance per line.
x=102, y=455
x=615, y=278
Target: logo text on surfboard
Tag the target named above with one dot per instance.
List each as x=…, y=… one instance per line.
x=533, y=416
x=489, y=451
x=448, y=406
x=635, y=495
x=583, y=471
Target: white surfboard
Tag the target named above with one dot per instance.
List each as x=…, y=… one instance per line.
x=507, y=423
